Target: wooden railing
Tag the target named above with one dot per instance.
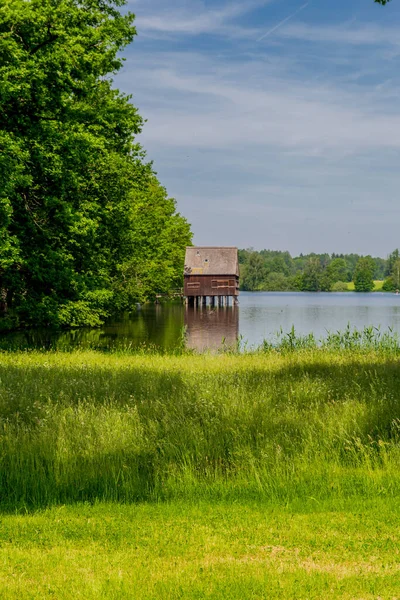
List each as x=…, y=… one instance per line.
x=174, y=293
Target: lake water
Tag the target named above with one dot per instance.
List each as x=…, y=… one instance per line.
x=259, y=316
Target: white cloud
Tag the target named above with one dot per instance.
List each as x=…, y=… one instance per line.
x=197, y=20
x=363, y=35
x=254, y=106
x=280, y=144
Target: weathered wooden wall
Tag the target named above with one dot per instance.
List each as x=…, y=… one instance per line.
x=211, y=285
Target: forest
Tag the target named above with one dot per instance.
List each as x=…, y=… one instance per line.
x=274, y=270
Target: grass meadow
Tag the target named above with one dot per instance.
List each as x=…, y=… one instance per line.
x=378, y=284
x=267, y=474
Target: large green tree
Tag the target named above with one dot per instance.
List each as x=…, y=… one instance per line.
x=85, y=227
x=364, y=274
x=392, y=282
x=338, y=270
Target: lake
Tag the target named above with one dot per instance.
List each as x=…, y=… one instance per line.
x=259, y=316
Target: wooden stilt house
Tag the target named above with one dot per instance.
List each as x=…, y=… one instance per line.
x=211, y=272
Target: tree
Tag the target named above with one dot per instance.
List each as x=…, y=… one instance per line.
x=254, y=272
x=311, y=281
x=395, y=273
x=388, y=285
x=391, y=259
x=363, y=275
x=392, y=282
x=277, y=282
x=338, y=270
x=85, y=227
x=340, y=286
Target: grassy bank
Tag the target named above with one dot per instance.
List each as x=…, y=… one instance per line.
x=87, y=426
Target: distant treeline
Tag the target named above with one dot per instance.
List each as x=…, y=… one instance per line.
x=273, y=270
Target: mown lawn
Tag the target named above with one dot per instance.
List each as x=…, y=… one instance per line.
x=210, y=550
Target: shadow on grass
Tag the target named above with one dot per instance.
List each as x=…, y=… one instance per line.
x=73, y=434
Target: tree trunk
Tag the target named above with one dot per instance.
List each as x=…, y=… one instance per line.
x=3, y=301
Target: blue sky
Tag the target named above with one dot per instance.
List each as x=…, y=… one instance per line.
x=274, y=123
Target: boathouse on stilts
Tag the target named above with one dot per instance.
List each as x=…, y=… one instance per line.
x=211, y=276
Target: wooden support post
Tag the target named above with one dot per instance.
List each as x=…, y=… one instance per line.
x=212, y=301
x=204, y=300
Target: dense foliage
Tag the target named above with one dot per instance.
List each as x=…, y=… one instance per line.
x=85, y=226
x=364, y=275
x=272, y=270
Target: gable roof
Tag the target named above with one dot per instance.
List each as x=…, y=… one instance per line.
x=211, y=260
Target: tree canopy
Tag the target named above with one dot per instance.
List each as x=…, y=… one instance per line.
x=272, y=270
x=85, y=226
x=364, y=274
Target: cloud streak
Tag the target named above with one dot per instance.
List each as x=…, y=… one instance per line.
x=202, y=21
x=362, y=35
x=289, y=18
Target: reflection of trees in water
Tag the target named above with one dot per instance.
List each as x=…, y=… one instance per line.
x=47, y=339
x=211, y=328
x=153, y=325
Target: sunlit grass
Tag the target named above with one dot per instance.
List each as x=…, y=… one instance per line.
x=220, y=551
x=276, y=425
x=377, y=285
x=267, y=474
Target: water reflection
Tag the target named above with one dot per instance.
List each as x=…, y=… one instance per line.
x=153, y=325
x=209, y=329
x=262, y=314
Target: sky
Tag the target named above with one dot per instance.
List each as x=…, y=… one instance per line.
x=273, y=123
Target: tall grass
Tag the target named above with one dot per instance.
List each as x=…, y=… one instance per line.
x=358, y=340
x=304, y=421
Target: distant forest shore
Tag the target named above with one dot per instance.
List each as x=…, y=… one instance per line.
x=278, y=271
